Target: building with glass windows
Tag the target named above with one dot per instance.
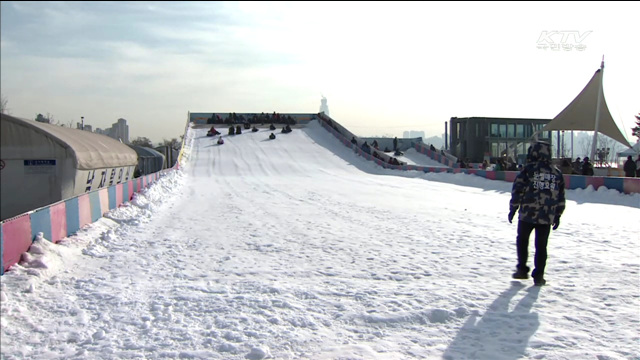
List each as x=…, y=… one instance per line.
x=480, y=138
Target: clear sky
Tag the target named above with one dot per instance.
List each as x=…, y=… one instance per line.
x=297, y=248
x=384, y=67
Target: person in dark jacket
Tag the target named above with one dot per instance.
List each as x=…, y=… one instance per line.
x=577, y=166
x=538, y=195
x=365, y=147
x=587, y=168
x=630, y=167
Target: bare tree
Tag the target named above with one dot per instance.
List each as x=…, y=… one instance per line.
x=173, y=143
x=606, y=150
x=3, y=105
x=142, y=141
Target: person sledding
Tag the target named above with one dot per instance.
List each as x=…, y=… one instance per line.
x=272, y=136
x=213, y=132
x=286, y=129
x=220, y=140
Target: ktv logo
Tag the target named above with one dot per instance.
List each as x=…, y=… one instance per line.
x=562, y=40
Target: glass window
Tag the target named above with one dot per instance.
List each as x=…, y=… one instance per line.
x=520, y=130
x=503, y=130
x=511, y=130
x=494, y=130
x=495, y=151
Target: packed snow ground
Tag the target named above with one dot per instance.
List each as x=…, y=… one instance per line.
x=296, y=248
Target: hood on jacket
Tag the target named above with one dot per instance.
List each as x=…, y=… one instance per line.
x=540, y=152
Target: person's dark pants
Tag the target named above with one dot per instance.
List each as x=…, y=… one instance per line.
x=522, y=242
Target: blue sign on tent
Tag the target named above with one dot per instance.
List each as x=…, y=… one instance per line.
x=39, y=166
x=39, y=163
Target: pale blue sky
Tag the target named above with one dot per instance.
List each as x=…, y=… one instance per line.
x=385, y=68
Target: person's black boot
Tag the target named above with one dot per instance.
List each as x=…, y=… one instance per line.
x=539, y=282
x=521, y=274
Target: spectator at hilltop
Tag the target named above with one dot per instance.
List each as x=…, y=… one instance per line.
x=366, y=148
x=630, y=167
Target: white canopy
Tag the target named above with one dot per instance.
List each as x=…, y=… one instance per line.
x=580, y=114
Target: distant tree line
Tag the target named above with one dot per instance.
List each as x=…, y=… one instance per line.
x=142, y=141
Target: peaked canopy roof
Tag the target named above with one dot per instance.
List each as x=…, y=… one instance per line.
x=580, y=114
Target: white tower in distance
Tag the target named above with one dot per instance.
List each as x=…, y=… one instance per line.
x=323, y=106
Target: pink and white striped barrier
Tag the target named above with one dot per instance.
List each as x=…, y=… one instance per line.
x=64, y=218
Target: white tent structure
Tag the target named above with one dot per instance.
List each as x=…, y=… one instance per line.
x=632, y=151
x=44, y=163
x=589, y=112
x=149, y=160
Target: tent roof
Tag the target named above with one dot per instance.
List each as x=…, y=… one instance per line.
x=146, y=151
x=91, y=150
x=580, y=114
x=629, y=151
x=634, y=150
